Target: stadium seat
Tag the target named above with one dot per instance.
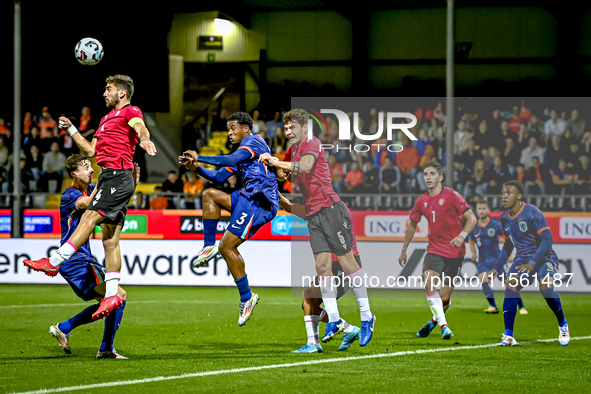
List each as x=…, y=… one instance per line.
x=53, y=201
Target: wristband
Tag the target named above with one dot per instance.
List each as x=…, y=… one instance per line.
x=72, y=130
x=464, y=235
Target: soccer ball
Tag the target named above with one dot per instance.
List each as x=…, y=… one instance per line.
x=89, y=51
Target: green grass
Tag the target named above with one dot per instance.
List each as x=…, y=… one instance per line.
x=175, y=331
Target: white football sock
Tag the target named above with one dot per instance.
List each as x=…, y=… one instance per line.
x=62, y=254
x=312, y=325
x=348, y=327
x=358, y=284
x=329, y=298
x=112, y=279
x=436, y=306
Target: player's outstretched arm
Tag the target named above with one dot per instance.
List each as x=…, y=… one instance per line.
x=468, y=227
x=408, y=235
x=144, y=135
x=226, y=160
x=86, y=147
x=294, y=209
x=304, y=166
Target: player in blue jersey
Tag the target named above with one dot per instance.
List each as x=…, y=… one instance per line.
x=251, y=208
x=82, y=272
x=485, y=237
x=526, y=230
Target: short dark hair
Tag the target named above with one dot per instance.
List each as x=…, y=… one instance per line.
x=74, y=161
x=436, y=166
x=483, y=202
x=241, y=118
x=122, y=82
x=517, y=184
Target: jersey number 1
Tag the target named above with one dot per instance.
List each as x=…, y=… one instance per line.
x=433, y=212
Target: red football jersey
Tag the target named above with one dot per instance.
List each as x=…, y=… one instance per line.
x=444, y=213
x=316, y=187
x=116, y=138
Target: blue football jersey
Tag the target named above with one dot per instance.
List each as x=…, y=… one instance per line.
x=70, y=217
x=256, y=177
x=524, y=231
x=486, y=239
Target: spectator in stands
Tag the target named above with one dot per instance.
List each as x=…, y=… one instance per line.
x=280, y=139
x=158, y=201
x=173, y=184
x=562, y=178
x=4, y=153
x=515, y=121
x=343, y=152
x=572, y=156
x=479, y=179
x=554, y=126
x=422, y=142
x=390, y=177
x=576, y=124
x=280, y=153
x=533, y=150
x=510, y=155
x=494, y=123
x=47, y=124
x=354, y=178
x=258, y=124
x=535, y=177
x=3, y=127
x=220, y=123
x=523, y=137
x=498, y=176
x=461, y=176
x=520, y=172
x=88, y=123
x=582, y=180
x=555, y=151
x=263, y=135
x=426, y=158
x=336, y=173
x=34, y=139
x=54, y=163
x=471, y=155
x=34, y=163
x=273, y=125
x=9, y=184
x=27, y=123
x=371, y=178
x=462, y=136
x=482, y=139
x=536, y=127
x=408, y=161
x=193, y=188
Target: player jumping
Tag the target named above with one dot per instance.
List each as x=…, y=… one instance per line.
x=443, y=207
x=485, y=236
x=83, y=273
x=312, y=298
x=251, y=208
x=526, y=230
x=328, y=219
x=114, y=145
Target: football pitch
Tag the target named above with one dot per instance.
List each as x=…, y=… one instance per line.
x=188, y=339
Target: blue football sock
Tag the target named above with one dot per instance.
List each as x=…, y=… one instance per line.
x=243, y=288
x=509, y=311
x=209, y=231
x=489, y=294
x=83, y=317
x=112, y=323
x=553, y=301
x=520, y=301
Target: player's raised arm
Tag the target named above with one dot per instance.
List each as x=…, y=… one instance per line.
x=304, y=166
x=86, y=147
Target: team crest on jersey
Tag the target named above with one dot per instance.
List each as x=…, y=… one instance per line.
x=490, y=232
x=523, y=226
x=441, y=201
x=425, y=204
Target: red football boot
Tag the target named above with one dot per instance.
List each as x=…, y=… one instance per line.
x=42, y=265
x=108, y=305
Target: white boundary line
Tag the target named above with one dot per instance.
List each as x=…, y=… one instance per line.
x=272, y=366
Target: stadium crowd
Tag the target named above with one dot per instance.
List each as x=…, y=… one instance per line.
x=547, y=150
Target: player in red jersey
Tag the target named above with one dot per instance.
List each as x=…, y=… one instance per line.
x=312, y=297
x=114, y=145
x=444, y=208
x=328, y=219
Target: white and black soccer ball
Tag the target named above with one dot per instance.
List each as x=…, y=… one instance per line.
x=89, y=51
